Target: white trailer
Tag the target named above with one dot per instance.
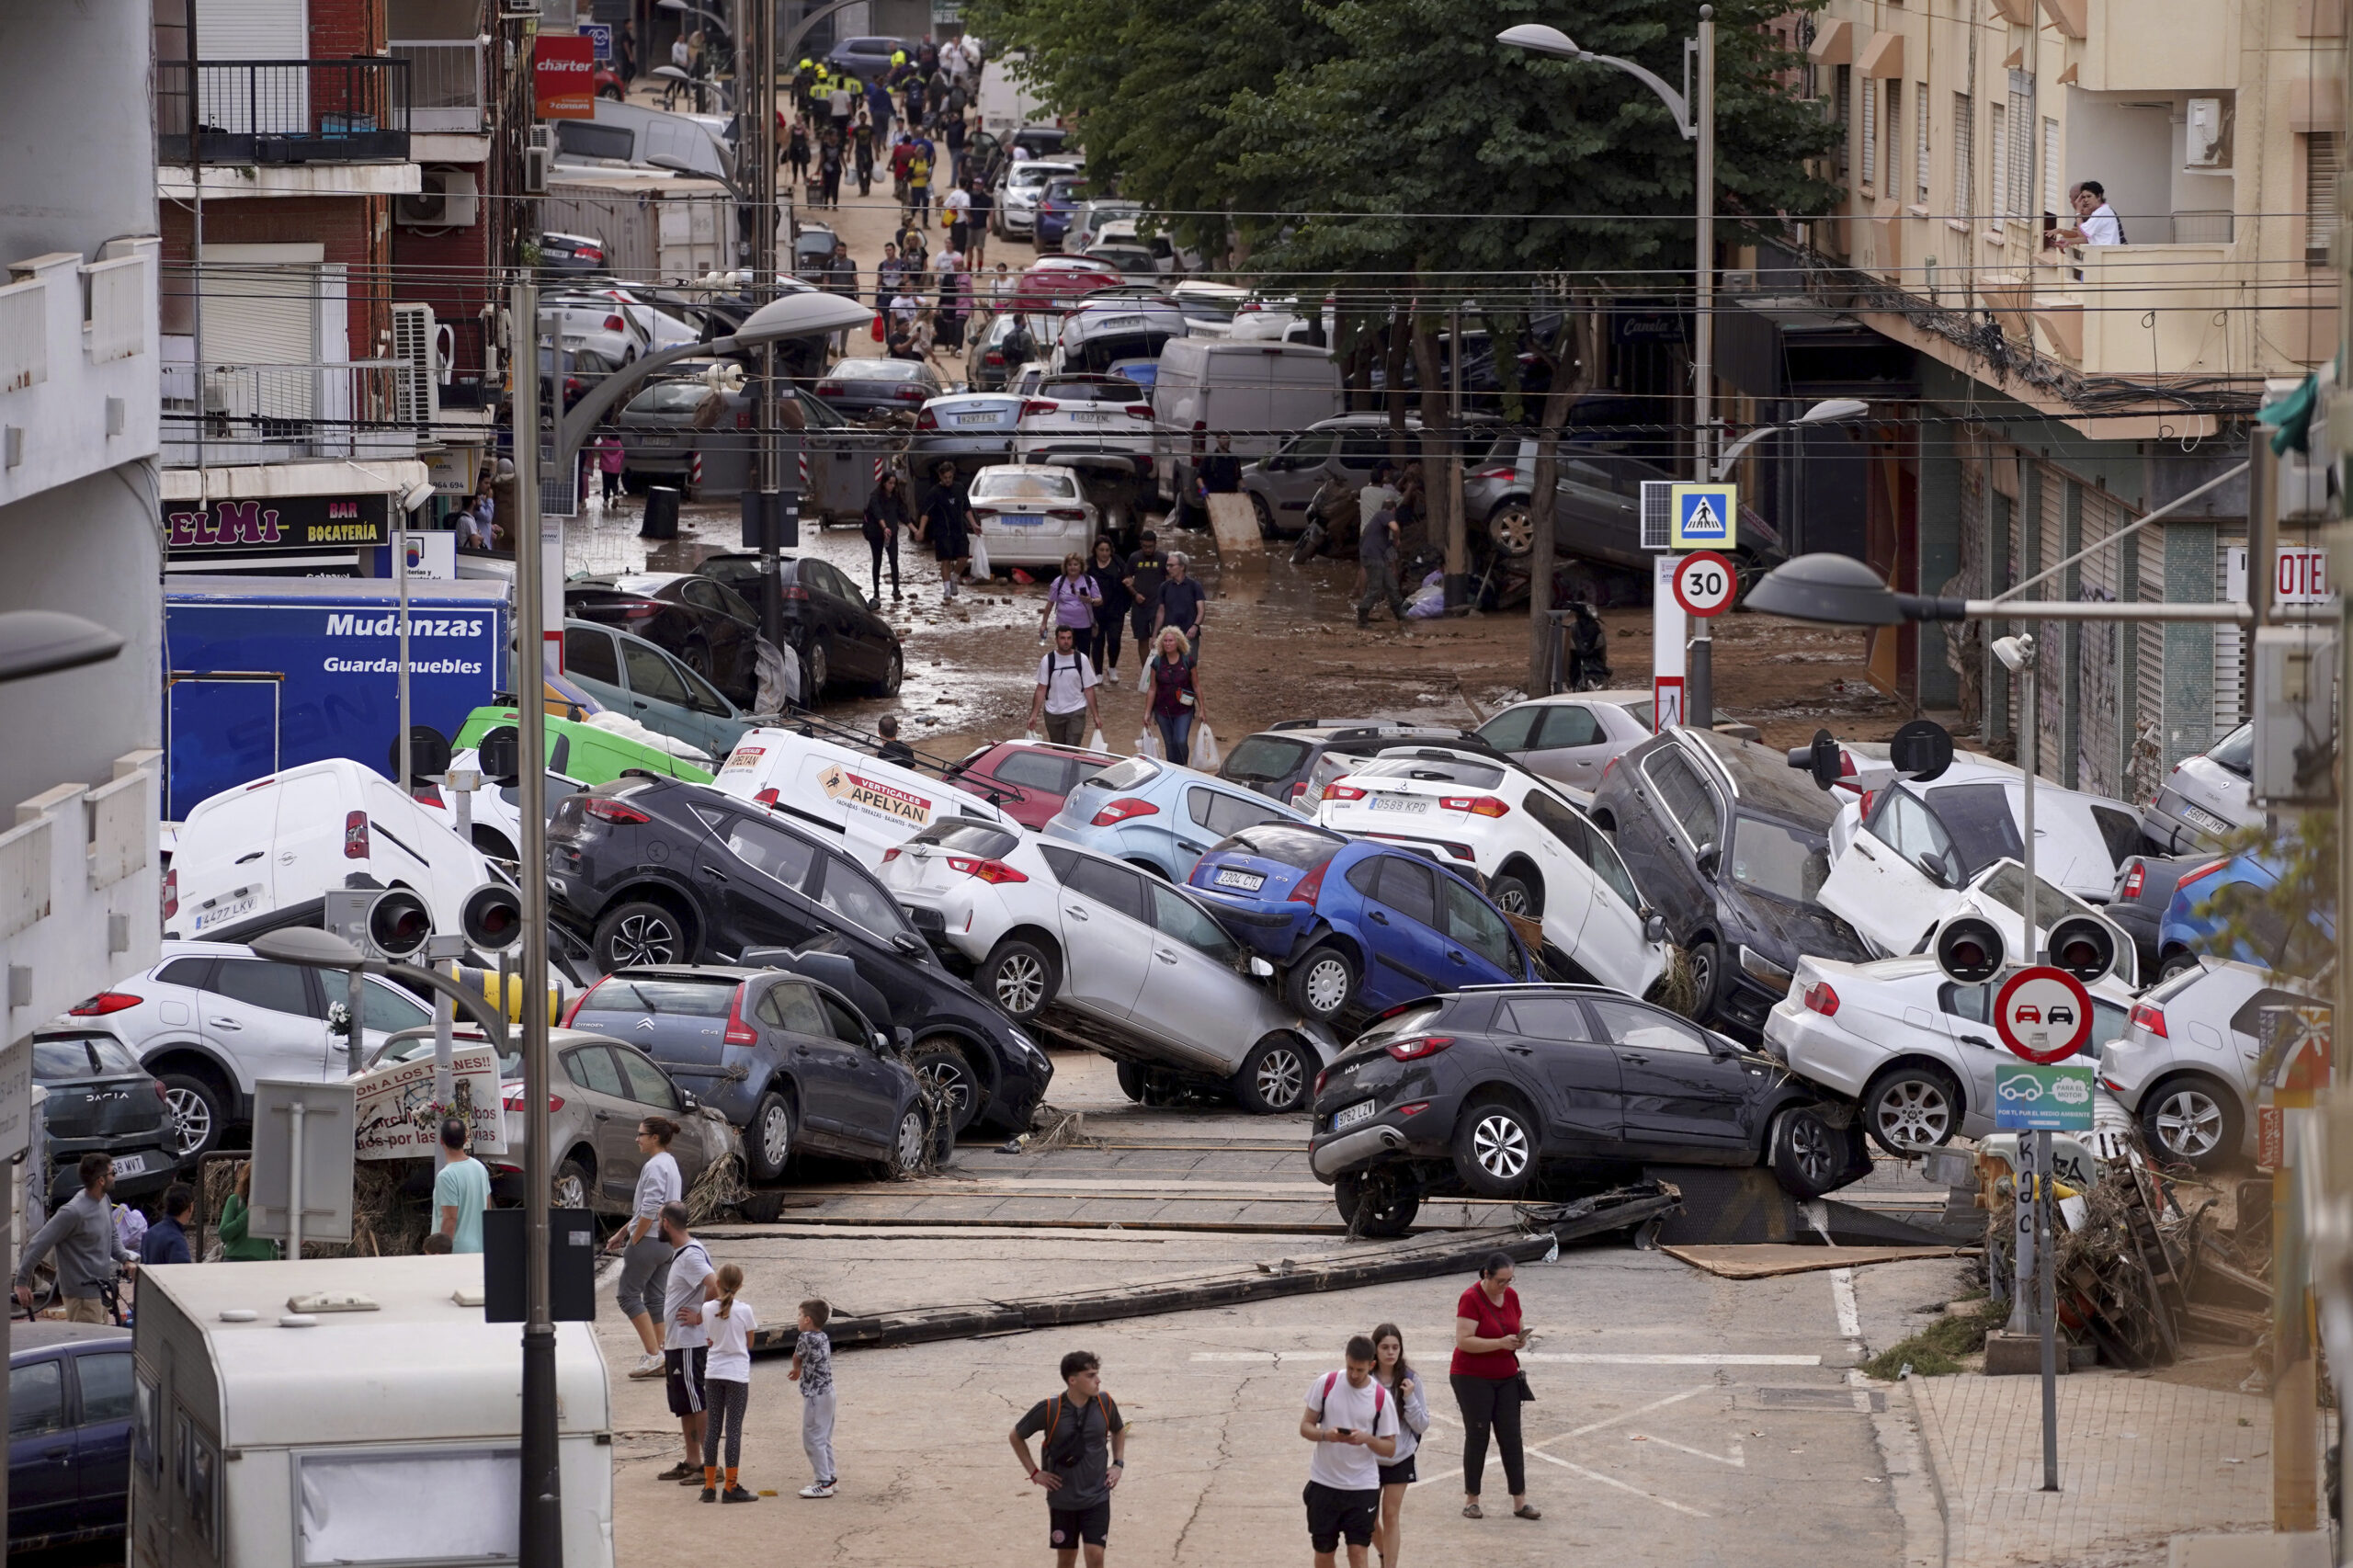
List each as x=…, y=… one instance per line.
x=657, y=227
x=387, y=1438
x=1006, y=102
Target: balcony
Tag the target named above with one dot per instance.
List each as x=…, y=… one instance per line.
x=282, y=111
x=445, y=86
x=273, y=414
x=79, y=887
x=78, y=365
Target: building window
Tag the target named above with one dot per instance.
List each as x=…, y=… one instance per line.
x=2017, y=196
x=1965, y=155
x=1998, y=132
x=2320, y=195
x=1894, y=141
x=2050, y=167
x=1841, y=110
x=1870, y=131
x=1920, y=141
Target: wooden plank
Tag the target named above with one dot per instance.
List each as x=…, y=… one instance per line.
x=1765, y=1261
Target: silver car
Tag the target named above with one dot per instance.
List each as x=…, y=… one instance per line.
x=1025, y=184
x=2205, y=798
x=600, y=1090
x=1570, y=739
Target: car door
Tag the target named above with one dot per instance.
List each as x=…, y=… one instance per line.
x=707, y=720
x=651, y=1092
x=653, y=679
x=755, y=874
x=1607, y=942
x=868, y=1124
x=1689, y=817
x=612, y=1120
x=1480, y=947
x=1891, y=883
x=734, y=625
x=1291, y=475
x=1212, y=813
x=1571, y=745
x=1552, y=1043
x=1106, y=934
x=43, y=1497
x=591, y=660
x=842, y=612
x=1408, y=956
x=1682, y=1096
x=104, y=1380
x=1195, y=999
x=821, y=1065
x=1594, y=519
x=271, y=1020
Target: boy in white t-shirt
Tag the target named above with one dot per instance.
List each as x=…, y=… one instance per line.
x=1353, y=1424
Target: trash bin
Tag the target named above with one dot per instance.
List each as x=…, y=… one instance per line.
x=661, y=513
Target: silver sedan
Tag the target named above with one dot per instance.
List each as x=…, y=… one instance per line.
x=1571, y=738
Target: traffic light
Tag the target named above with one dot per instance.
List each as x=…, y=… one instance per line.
x=2082, y=945
x=492, y=917
x=390, y=923
x=1968, y=949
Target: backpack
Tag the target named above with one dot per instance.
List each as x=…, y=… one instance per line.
x=1380, y=1397
x=1101, y=1402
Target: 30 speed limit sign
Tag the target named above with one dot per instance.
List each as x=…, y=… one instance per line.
x=1704, y=584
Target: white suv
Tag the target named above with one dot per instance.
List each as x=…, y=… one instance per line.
x=209, y=1018
x=1539, y=855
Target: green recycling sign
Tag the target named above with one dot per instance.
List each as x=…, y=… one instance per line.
x=2029, y=1097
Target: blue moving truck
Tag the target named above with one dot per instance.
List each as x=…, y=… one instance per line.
x=266, y=673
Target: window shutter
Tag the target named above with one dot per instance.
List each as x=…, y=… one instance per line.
x=1998, y=133
x=1871, y=130
x=1965, y=155
x=1920, y=140
x=2320, y=193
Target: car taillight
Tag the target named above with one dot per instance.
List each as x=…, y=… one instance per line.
x=764, y=798
x=162, y=1093
x=171, y=893
x=579, y=1002
x=1298, y=789
x=1869, y=796
x=1496, y=473
x=1039, y=406
x=605, y=810
x=907, y=395
x=513, y=1100
x=1477, y=805
x=2133, y=879
x=1416, y=1047
x=1341, y=790
x=426, y=794
x=926, y=420
x=589, y=253
x=355, y=835
x=794, y=591
x=738, y=1032
x=1821, y=999
x=829, y=388
x=992, y=357
x=1138, y=410
x=742, y=419
x=2201, y=874
x=615, y=324
x=1319, y=1079
x=1310, y=888
x=994, y=872
x=2150, y=1016
x=890, y=853
x=1068, y=514
x=1123, y=808
x=105, y=1002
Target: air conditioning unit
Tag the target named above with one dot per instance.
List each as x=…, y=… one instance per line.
x=446, y=198
x=2206, y=134
x=419, y=397
x=538, y=156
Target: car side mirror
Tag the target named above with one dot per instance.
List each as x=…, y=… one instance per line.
x=1934, y=864
x=907, y=944
x=1262, y=969
x=1653, y=927
x=688, y=1101
x=1708, y=858
x=882, y=1040
x=905, y=1036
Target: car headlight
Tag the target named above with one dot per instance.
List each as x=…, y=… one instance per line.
x=1764, y=970
x=1024, y=1042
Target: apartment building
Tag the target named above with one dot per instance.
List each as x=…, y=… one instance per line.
x=79, y=530
x=2091, y=384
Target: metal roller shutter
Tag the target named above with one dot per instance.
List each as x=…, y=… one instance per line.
x=260, y=316
x=2229, y=669
x=2148, y=763
x=2099, y=677
x=241, y=103
x=2051, y=636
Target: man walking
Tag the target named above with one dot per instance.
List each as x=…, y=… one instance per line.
x=1376, y=553
x=461, y=1188
x=686, y=1347
x=1353, y=1424
x=1066, y=683
x=166, y=1239
x=82, y=1233
x=1181, y=599
x=1080, y=1463
x=1147, y=568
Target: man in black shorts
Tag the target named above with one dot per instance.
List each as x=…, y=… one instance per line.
x=1081, y=1461
x=1353, y=1424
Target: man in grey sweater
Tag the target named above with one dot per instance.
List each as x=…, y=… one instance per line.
x=82, y=1233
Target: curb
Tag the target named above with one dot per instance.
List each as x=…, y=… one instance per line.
x=1925, y=1423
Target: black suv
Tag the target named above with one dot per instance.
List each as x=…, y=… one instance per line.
x=1733, y=846
x=1492, y=1088
x=660, y=872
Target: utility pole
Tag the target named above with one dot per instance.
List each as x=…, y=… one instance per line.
x=1700, y=690
x=1458, y=544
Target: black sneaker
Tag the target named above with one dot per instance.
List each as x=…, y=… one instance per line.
x=681, y=1473
x=736, y=1495
x=710, y=1494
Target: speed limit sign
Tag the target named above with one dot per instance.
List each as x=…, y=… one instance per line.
x=1704, y=584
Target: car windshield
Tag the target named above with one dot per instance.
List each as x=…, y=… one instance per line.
x=2235, y=751
x=964, y=836
x=1125, y=775
x=1433, y=770
x=680, y=999
x=1261, y=760
x=874, y=370
x=1289, y=844
x=1026, y=486
x=1777, y=859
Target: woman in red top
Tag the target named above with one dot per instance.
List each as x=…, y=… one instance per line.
x=1485, y=1374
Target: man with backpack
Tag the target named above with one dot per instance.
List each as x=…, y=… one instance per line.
x=1353, y=1424
x=1065, y=696
x=1081, y=1462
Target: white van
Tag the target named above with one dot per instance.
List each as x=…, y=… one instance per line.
x=870, y=805
x=1005, y=100
x=293, y=836
x=1252, y=391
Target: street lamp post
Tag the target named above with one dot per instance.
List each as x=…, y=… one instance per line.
x=1696, y=117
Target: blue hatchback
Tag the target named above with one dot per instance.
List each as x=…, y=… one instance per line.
x=1357, y=926
x=2210, y=898
x=1160, y=817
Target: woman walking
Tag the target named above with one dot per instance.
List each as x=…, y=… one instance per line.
x=886, y=518
x=645, y=1257
x=727, y=1385
x=1404, y=1386
x=1071, y=600
x=947, y=526
x=1112, y=605
x=796, y=152
x=1488, y=1336
x=1176, y=700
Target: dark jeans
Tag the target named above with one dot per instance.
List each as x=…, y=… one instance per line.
x=1380, y=580
x=612, y=483
x=1103, y=647
x=1486, y=1402
x=879, y=544
x=1176, y=735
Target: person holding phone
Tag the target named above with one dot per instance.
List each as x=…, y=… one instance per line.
x=1488, y=1388
x=1351, y=1417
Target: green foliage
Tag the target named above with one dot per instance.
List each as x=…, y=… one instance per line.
x=1936, y=1351
x=2276, y=926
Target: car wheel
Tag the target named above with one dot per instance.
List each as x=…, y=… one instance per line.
x=2175, y=963
x=1275, y=1076
x=570, y=1189
x=697, y=654
x=1911, y=1109
x=1808, y=1155
x=1494, y=1148
x=1511, y=529
x=1516, y=894
x=640, y=933
x=818, y=673
x=1374, y=1204
x=1706, y=961
x=1266, y=519
x=907, y=1143
x=893, y=672
x=196, y=1107
x=2188, y=1123
x=1020, y=978
x=1131, y=1078
x=768, y=1138
x=942, y=1066
x=1321, y=983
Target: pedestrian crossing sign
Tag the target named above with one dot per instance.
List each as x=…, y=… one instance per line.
x=1704, y=517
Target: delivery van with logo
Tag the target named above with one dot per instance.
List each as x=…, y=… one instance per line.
x=870, y=805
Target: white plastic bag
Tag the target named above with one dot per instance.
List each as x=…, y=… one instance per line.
x=1096, y=741
x=1427, y=603
x=1204, y=748
x=1029, y=737
x=1144, y=677
x=1148, y=744
x=980, y=547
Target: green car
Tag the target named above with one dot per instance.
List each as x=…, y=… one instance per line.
x=581, y=751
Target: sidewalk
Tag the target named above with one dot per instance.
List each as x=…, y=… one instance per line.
x=2139, y=1460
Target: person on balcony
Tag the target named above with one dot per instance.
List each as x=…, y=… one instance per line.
x=2100, y=224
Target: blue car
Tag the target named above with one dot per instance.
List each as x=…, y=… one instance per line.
x=1055, y=210
x=1160, y=817
x=1356, y=926
x=2209, y=898
x=630, y=674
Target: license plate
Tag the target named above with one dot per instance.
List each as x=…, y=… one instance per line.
x=973, y=418
x=1020, y=520
x=1248, y=882
x=130, y=1164
x=2204, y=818
x=1411, y=804
x=1089, y=418
x=1110, y=322
x=226, y=912
x=1350, y=1116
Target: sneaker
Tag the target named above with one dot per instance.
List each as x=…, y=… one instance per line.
x=647, y=1366
x=688, y=1474
x=818, y=1489
x=738, y=1494
x=711, y=1494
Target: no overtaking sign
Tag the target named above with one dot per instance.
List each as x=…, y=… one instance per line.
x=2043, y=1015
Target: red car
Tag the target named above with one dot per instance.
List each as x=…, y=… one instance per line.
x=1027, y=778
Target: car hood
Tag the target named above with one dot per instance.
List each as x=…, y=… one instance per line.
x=1809, y=930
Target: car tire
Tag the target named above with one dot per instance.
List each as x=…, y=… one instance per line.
x=1372, y=1205
x=1515, y=893
x=1809, y=1156
x=640, y=933
x=1494, y=1148
x=768, y=1139
x=908, y=1142
x=2175, y=963
x=696, y=653
x=1019, y=978
x=1321, y=984
x=817, y=671
x=1912, y=1107
x=202, y=1112
x=1259, y=508
x=2188, y=1122
x=1275, y=1076
x=571, y=1188
x=1511, y=530
x=1707, y=965
x=1131, y=1080
x=939, y=1062
x=893, y=673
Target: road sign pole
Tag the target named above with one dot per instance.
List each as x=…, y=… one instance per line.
x=2023, y=1275
x=2047, y=1303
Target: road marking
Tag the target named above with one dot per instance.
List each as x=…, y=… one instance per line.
x=1559, y=1358
x=1737, y=1460
x=1589, y=1427
x=1842, y=1296
x=1622, y=1486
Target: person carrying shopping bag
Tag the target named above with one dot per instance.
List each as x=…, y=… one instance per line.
x=1176, y=699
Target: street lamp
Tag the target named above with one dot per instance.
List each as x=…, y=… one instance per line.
x=1830, y=411
x=1696, y=117
x=43, y=642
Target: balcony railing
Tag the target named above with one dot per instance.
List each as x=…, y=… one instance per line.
x=262, y=413
x=445, y=86
x=282, y=111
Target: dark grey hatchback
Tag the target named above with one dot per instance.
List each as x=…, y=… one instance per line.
x=102, y=1101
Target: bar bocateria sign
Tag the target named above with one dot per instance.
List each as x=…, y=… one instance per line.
x=286, y=523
